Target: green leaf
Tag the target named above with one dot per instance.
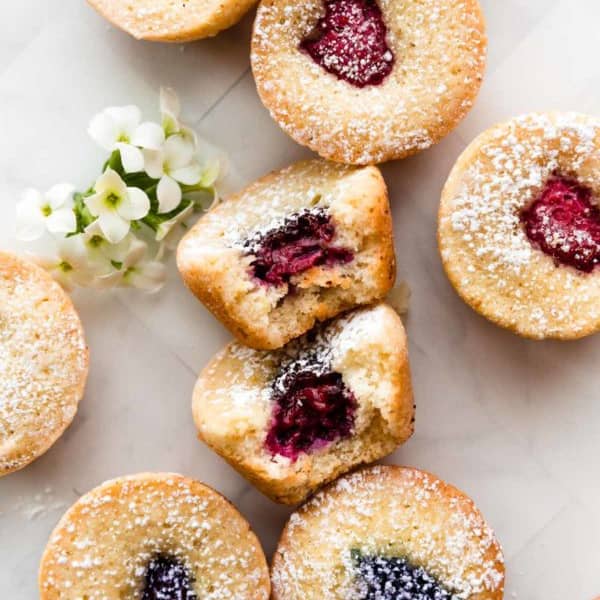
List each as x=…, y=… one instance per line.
x=114, y=162
x=82, y=214
x=154, y=220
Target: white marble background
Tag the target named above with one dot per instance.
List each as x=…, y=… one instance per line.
x=514, y=423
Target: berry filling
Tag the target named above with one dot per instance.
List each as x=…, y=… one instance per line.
x=350, y=42
x=381, y=578
x=311, y=410
x=167, y=579
x=564, y=223
x=302, y=242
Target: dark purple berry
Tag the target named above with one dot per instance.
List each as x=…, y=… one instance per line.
x=381, y=578
x=350, y=42
x=302, y=242
x=167, y=579
x=310, y=411
x=564, y=222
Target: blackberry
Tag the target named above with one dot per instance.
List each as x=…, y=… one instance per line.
x=382, y=578
x=167, y=579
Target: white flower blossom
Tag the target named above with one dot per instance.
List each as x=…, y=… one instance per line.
x=118, y=245
x=169, y=232
x=173, y=165
x=116, y=205
x=72, y=264
x=121, y=128
x=52, y=211
x=135, y=269
x=170, y=110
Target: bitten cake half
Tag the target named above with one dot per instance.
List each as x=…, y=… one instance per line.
x=299, y=246
x=293, y=419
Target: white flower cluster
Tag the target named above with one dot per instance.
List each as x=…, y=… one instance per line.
x=115, y=234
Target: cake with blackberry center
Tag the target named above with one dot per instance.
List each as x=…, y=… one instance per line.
x=388, y=533
x=153, y=536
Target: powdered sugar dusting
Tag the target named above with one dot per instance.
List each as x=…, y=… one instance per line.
x=43, y=362
x=483, y=242
x=169, y=20
x=104, y=545
x=393, y=512
x=235, y=395
x=440, y=57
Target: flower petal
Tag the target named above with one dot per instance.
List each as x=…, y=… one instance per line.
x=30, y=223
x=110, y=280
x=32, y=199
x=135, y=205
x=189, y=175
x=104, y=131
x=211, y=172
x=127, y=118
x=178, y=152
x=169, y=108
x=169, y=102
x=113, y=226
x=150, y=276
x=95, y=204
x=110, y=182
x=148, y=135
x=60, y=195
x=167, y=227
x=154, y=163
x=73, y=251
x=189, y=135
x=135, y=253
x=131, y=158
x=62, y=220
x=168, y=193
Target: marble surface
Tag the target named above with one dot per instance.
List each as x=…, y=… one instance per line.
x=514, y=423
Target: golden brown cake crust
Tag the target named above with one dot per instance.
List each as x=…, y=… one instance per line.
x=377, y=510
x=486, y=253
x=440, y=49
x=232, y=404
x=217, y=272
x=102, y=546
x=168, y=21
x=43, y=362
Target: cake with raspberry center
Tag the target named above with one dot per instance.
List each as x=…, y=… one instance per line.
x=564, y=222
x=350, y=42
x=367, y=81
x=302, y=241
x=295, y=418
x=296, y=248
x=310, y=411
x=519, y=225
